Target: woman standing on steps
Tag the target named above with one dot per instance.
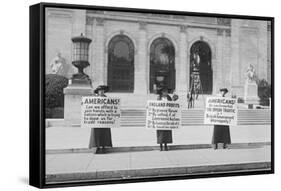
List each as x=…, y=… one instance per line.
x=221, y=133
x=164, y=136
x=100, y=137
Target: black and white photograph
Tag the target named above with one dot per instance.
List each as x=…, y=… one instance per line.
x=144, y=94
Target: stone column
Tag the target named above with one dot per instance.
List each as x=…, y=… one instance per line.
x=99, y=49
x=141, y=65
x=182, y=71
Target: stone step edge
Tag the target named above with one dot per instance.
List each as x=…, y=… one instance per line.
x=151, y=148
x=158, y=172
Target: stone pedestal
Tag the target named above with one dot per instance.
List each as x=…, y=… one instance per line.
x=251, y=93
x=72, y=102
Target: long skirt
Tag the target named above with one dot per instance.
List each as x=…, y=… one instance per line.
x=221, y=134
x=164, y=136
x=100, y=137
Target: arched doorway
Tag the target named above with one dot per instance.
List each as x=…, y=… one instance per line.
x=201, y=62
x=121, y=64
x=162, y=64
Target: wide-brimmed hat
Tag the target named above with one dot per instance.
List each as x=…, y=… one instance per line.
x=225, y=90
x=101, y=87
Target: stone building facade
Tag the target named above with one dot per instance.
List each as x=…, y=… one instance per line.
x=131, y=51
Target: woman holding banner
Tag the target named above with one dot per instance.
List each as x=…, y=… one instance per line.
x=100, y=137
x=164, y=136
x=221, y=133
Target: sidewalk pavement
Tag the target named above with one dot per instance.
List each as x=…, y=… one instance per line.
x=120, y=165
x=71, y=138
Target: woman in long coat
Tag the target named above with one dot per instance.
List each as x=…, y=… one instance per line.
x=221, y=133
x=164, y=136
x=100, y=137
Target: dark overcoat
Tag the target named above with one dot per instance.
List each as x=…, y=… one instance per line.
x=164, y=136
x=221, y=134
x=100, y=137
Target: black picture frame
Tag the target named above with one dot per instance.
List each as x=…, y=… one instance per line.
x=37, y=91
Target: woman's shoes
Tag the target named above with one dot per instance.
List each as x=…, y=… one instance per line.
x=215, y=146
x=100, y=150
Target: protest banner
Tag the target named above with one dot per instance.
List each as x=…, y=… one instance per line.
x=220, y=111
x=163, y=115
x=100, y=112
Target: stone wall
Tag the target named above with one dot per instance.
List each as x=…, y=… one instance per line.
x=234, y=46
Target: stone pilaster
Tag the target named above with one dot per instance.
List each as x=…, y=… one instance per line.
x=182, y=72
x=99, y=52
x=237, y=87
x=79, y=22
x=218, y=69
x=141, y=65
x=262, y=50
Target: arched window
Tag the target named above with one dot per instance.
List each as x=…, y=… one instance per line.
x=201, y=62
x=121, y=64
x=162, y=64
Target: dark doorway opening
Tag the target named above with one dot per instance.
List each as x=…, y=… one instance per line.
x=201, y=61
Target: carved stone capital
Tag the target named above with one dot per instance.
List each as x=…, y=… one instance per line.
x=224, y=21
x=220, y=32
x=269, y=26
x=227, y=32
x=183, y=28
x=142, y=25
x=89, y=21
x=100, y=21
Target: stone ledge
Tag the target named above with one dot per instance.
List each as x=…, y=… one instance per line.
x=150, y=148
x=157, y=172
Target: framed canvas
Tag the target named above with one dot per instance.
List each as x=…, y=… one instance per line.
x=123, y=95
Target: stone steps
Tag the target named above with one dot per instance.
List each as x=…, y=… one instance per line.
x=135, y=117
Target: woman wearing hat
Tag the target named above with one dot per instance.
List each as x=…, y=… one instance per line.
x=164, y=136
x=221, y=133
x=100, y=137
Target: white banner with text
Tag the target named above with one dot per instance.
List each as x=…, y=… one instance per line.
x=220, y=111
x=163, y=115
x=100, y=112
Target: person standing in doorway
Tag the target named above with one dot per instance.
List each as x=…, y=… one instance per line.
x=164, y=136
x=221, y=133
x=100, y=137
